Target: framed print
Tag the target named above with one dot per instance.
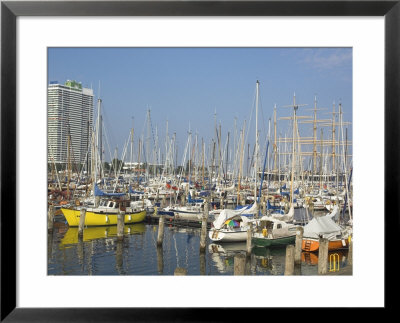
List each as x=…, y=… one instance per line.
x=358, y=40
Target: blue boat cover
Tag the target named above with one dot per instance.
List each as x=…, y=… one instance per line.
x=99, y=192
x=134, y=192
x=190, y=200
x=270, y=207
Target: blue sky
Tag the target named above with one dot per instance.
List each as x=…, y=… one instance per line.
x=186, y=86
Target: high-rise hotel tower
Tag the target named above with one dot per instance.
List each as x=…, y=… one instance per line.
x=70, y=120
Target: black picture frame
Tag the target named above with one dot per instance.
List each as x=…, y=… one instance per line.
x=10, y=10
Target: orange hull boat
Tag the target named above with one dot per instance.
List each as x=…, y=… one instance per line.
x=313, y=244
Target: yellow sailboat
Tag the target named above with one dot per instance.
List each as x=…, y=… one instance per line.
x=105, y=214
x=93, y=218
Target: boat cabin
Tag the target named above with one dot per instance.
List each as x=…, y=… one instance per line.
x=269, y=225
x=114, y=204
x=275, y=228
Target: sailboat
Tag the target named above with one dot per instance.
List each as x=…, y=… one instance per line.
x=276, y=214
x=325, y=227
x=107, y=212
x=273, y=232
x=107, y=206
x=232, y=225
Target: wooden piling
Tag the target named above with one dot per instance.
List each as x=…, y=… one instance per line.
x=80, y=250
x=96, y=201
x=160, y=260
x=180, y=271
x=82, y=222
x=50, y=218
x=299, y=241
x=323, y=256
x=119, y=254
x=203, y=235
x=202, y=257
x=160, y=235
x=249, y=245
x=120, y=225
x=350, y=252
x=289, y=260
x=239, y=264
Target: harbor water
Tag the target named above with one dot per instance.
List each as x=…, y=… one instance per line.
x=100, y=253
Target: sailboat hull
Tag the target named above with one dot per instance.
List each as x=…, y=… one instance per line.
x=268, y=242
x=227, y=236
x=96, y=218
x=313, y=244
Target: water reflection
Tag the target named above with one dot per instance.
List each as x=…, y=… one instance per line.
x=270, y=261
x=92, y=233
x=119, y=256
x=223, y=255
x=98, y=252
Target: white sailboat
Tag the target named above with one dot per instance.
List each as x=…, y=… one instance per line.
x=232, y=225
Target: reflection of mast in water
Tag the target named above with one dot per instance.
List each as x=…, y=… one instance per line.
x=49, y=245
x=119, y=256
x=270, y=260
x=202, y=263
x=176, y=250
x=80, y=252
x=223, y=255
x=90, y=259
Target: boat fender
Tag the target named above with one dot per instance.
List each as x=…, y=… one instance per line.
x=106, y=218
x=129, y=218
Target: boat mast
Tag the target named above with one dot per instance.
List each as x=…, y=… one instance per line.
x=347, y=185
x=333, y=138
x=219, y=155
x=226, y=161
x=275, y=146
x=68, y=160
x=321, y=160
x=293, y=149
x=295, y=108
x=132, y=132
x=97, y=139
x=241, y=161
x=203, y=153
x=256, y=147
x=314, y=141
